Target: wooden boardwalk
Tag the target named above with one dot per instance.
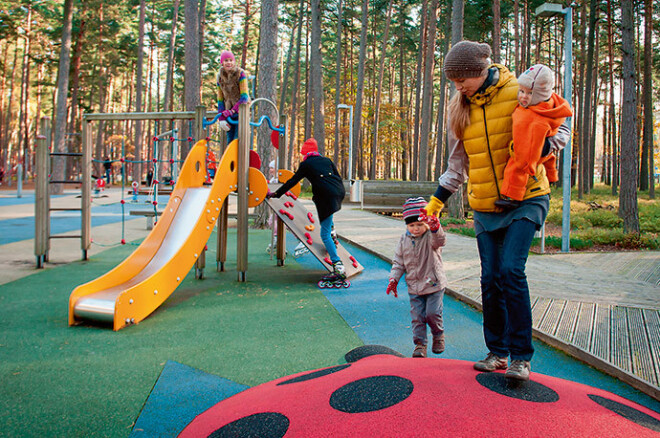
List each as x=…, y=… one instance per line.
x=601, y=308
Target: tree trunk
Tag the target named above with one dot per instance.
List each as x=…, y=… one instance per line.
x=427, y=95
x=648, y=101
x=24, y=135
x=404, y=111
x=294, y=99
x=379, y=85
x=357, y=116
x=415, y=171
x=168, y=105
x=497, y=23
x=338, y=82
x=516, y=37
x=613, y=137
x=629, y=135
x=62, y=96
x=267, y=89
x=75, y=85
x=588, y=103
x=455, y=203
x=137, y=167
x=246, y=32
x=316, y=76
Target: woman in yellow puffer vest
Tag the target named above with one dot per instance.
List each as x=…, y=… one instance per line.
x=479, y=138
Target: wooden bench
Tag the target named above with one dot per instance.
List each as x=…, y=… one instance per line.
x=149, y=214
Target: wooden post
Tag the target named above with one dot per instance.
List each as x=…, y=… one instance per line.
x=281, y=228
x=242, y=208
x=41, y=211
x=86, y=198
x=200, y=113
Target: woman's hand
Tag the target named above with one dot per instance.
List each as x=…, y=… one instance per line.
x=434, y=207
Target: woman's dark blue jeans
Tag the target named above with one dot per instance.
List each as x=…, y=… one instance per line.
x=507, y=310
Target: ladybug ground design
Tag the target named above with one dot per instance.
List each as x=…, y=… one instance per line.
x=387, y=395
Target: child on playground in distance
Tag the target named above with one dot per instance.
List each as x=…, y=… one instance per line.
x=539, y=114
x=328, y=193
x=232, y=91
x=419, y=255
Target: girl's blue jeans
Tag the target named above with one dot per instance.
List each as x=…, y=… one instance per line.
x=507, y=310
x=326, y=237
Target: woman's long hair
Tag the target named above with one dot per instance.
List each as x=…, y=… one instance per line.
x=459, y=112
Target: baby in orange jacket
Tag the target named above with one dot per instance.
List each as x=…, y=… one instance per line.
x=539, y=114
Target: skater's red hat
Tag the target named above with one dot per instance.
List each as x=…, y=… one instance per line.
x=309, y=146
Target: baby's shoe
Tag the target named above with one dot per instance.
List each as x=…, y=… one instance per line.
x=438, y=343
x=507, y=203
x=420, y=350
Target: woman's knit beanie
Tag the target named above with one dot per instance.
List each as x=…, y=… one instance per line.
x=540, y=79
x=412, y=208
x=467, y=59
x=310, y=145
x=226, y=54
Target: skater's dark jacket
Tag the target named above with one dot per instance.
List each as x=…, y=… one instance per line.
x=327, y=186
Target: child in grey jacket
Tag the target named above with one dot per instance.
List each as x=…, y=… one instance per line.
x=419, y=256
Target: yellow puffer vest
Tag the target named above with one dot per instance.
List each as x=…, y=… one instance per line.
x=486, y=140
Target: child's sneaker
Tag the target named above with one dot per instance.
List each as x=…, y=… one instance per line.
x=438, y=343
x=420, y=350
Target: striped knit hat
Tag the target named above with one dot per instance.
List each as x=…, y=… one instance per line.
x=412, y=208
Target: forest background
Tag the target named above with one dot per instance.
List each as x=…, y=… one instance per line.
x=382, y=58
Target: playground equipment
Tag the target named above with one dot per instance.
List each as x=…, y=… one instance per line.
x=136, y=287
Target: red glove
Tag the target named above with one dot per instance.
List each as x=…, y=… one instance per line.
x=391, y=287
x=433, y=223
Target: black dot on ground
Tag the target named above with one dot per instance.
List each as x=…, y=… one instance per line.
x=369, y=350
x=263, y=425
x=627, y=412
x=528, y=391
x=371, y=394
x=315, y=374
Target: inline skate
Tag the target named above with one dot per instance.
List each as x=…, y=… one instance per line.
x=336, y=279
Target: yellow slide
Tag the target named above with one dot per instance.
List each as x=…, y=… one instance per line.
x=137, y=286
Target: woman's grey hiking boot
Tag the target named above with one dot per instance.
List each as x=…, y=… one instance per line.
x=518, y=370
x=492, y=362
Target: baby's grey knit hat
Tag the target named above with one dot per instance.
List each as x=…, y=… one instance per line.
x=467, y=59
x=541, y=80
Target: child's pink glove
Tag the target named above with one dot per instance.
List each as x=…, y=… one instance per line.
x=227, y=113
x=432, y=221
x=391, y=287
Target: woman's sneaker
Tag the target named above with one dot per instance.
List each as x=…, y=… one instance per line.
x=492, y=362
x=518, y=370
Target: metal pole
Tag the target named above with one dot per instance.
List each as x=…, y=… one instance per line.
x=568, y=155
x=86, y=197
x=19, y=180
x=242, y=207
x=350, y=143
x=281, y=228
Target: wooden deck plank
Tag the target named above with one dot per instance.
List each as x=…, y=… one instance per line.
x=539, y=307
x=566, y=327
x=584, y=326
x=620, y=348
x=552, y=317
x=640, y=349
x=652, y=320
x=600, y=332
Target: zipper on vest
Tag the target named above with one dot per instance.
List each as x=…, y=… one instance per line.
x=490, y=154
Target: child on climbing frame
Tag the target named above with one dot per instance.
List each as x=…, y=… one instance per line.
x=232, y=85
x=539, y=114
x=328, y=193
x=418, y=255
